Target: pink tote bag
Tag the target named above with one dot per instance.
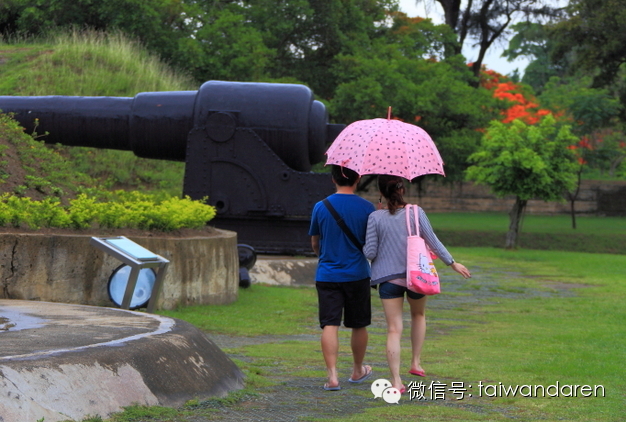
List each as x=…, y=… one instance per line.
x=421, y=274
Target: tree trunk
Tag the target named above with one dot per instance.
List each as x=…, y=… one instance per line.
x=573, y=196
x=515, y=217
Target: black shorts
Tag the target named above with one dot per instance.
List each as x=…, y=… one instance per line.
x=353, y=298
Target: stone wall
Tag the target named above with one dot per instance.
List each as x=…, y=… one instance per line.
x=595, y=198
x=63, y=268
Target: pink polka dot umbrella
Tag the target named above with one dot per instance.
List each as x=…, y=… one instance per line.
x=386, y=146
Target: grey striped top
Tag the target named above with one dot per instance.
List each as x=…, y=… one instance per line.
x=385, y=244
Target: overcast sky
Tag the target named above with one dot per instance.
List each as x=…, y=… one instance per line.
x=492, y=60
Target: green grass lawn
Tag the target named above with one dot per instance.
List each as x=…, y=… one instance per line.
x=557, y=317
x=499, y=222
x=593, y=234
x=539, y=341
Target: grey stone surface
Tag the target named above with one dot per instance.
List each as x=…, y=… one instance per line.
x=63, y=268
x=60, y=361
x=284, y=270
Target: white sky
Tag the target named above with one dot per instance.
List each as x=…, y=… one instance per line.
x=492, y=60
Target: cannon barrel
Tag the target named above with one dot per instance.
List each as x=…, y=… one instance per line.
x=156, y=124
x=247, y=147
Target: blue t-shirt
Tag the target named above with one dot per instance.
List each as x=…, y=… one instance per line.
x=340, y=260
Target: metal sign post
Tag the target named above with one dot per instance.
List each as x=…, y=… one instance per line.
x=137, y=257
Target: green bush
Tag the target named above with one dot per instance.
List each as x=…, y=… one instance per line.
x=118, y=209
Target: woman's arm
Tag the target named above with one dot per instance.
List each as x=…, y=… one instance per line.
x=426, y=231
x=460, y=268
x=435, y=245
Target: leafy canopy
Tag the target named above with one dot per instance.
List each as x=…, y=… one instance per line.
x=526, y=161
x=594, y=36
x=410, y=70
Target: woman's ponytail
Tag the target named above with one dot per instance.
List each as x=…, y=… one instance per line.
x=392, y=188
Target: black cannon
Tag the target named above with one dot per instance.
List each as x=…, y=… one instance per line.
x=248, y=147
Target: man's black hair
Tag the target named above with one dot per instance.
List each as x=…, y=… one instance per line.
x=344, y=176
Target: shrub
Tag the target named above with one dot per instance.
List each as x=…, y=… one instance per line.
x=118, y=209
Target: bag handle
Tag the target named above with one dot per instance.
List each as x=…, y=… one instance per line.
x=409, y=227
x=416, y=224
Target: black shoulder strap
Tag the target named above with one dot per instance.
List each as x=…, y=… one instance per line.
x=342, y=224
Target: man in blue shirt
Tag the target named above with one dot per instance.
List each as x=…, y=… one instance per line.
x=343, y=275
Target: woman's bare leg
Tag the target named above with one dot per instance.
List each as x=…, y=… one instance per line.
x=418, y=331
x=393, y=315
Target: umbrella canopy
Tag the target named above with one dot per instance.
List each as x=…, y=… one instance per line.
x=386, y=146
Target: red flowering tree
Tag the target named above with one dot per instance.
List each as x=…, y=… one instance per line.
x=520, y=103
x=587, y=111
x=524, y=154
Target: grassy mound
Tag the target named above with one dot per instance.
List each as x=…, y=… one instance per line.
x=82, y=64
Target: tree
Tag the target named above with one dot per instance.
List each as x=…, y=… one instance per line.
x=409, y=71
x=531, y=40
x=593, y=34
x=594, y=114
x=308, y=36
x=525, y=161
x=224, y=46
x=522, y=105
x=581, y=150
x=487, y=21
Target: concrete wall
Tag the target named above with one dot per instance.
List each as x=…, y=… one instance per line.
x=595, y=198
x=61, y=268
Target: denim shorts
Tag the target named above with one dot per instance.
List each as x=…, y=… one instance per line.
x=389, y=290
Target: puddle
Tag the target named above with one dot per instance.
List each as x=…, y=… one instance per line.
x=12, y=320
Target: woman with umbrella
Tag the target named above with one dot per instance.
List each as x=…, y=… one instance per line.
x=385, y=246
x=394, y=150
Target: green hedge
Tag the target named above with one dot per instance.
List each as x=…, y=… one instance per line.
x=118, y=209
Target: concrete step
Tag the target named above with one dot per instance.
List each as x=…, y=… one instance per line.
x=284, y=270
